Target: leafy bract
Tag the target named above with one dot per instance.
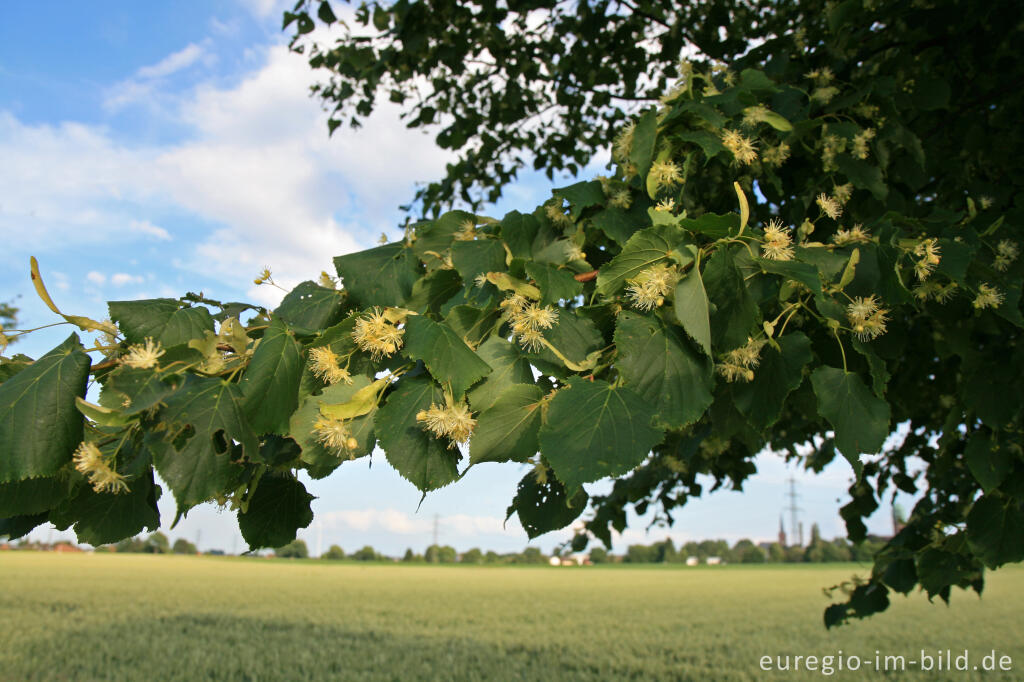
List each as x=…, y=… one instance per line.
x=594, y=429
x=507, y=430
x=303, y=421
x=165, y=320
x=421, y=459
x=662, y=367
x=448, y=358
x=40, y=426
x=860, y=419
x=691, y=307
x=277, y=509
x=508, y=367
x=270, y=389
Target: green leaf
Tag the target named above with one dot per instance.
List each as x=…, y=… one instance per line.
x=859, y=418
x=11, y=366
x=270, y=387
x=554, y=283
x=15, y=527
x=595, y=430
x=478, y=257
x=778, y=375
x=644, y=249
x=309, y=307
x=580, y=196
x=544, y=507
x=102, y=518
x=201, y=467
x=508, y=367
x=277, y=509
x=135, y=390
x=417, y=455
x=736, y=313
x=863, y=175
x=645, y=137
x=989, y=464
x=621, y=225
x=507, y=430
x=691, y=307
x=40, y=427
x=163, y=319
x=708, y=142
x=805, y=273
x=431, y=292
x=32, y=496
x=574, y=336
x=448, y=358
x=713, y=225
x=471, y=323
x=995, y=530
x=301, y=426
x=662, y=367
x=434, y=238
x=381, y=276
x=776, y=121
x=518, y=231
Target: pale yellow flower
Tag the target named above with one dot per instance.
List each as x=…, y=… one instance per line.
x=326, y=281
x=776, y=156
x=928, y=252
x=867, y=318
x=91, y=463
x=621, y=199
x=649, y=288
x=624, y=142
x=754, y=115
x=988, y=297
x=1006, y=253
x=825, y=94
x=666, y=205
x=264, y=275
x=466, y=232
x=842, y=193
x=324, y=364
x=665, y=173
x=453, y=421
x=739, y=363
x=144, y=356
x=375, y=334
x=855, y=235
x=743, y=149
x=860, y=143
x=556, y=214
x=335, y=436
x=829, y=206
x=778, y=244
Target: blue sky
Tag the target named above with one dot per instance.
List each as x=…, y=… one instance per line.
x=149, y=149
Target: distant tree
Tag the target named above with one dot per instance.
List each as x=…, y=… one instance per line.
x=473, y=556
x=8, y=320
x=296, y=549
x=432, y=555
x=492, y=557
x=599, y=555
x=367, y=553
x=131, y=545
x=776, y=553
x=440, y=554
x=183, y=546
x=640, y=554
x=410, y=556
x=334, y=553
x=532, y=555
x=157, y=543
x=751, y=555
x=665, y=552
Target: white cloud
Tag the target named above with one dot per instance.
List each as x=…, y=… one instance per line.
x=400, y=523
x=182, y=59
x=147, y=228
x=97, y=278
x=120, y=279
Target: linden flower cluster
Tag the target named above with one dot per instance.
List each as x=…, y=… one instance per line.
x=928, y=253
x=556, y=214
x=942, y=294
x=466, y=232
x=743, y=149
x=1006, y=253
x=829, y=206
x=528, y=320
x=665, y=173
x=623, y=144
x=739, y=364
x=855, y=235
x=649, y=289
x=90, y=462
x=143, y=356
x=776, y=156
x=666, y=205
x=323, y=362
x=778, y=244
x=376, y=335
x=452, y=421
x=860, y=143
x=988, y=297
x=334, y=435
x=867, y=319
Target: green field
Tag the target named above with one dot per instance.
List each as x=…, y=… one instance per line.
x=143, y=617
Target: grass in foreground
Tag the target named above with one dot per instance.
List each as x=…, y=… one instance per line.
x=141, y=617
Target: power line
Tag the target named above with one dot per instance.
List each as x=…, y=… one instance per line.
x=793, y=509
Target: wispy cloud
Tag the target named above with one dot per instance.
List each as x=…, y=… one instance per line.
x=461, y=526
x=172, y=63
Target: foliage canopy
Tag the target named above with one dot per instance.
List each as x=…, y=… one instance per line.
x=805, y=247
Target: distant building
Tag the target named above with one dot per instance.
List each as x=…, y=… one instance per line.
x=555, y=561
x=782, y=533
x=692, y=561
x=714, y=560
